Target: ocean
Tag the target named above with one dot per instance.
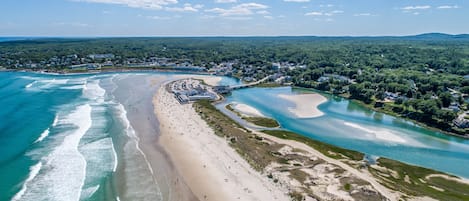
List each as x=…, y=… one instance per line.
x=69, y=137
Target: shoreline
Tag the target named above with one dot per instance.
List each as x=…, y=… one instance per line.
x=306, y=105
x=210, y=167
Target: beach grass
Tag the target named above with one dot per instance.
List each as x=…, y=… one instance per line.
x=259, y=121
x=413, y=180
x=262, y=121
x=326, y=149
x=410, y=180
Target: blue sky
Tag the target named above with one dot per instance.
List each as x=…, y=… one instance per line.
x=231, y=17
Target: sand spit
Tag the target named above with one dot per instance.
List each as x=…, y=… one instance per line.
x=305, y=104
x=246, y=110
x=210, y=167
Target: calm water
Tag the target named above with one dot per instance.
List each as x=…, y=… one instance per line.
x=69, y=138
x=352, y=126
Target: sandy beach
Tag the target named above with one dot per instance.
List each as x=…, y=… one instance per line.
x=209, y=166
x=210, y=80
x=247, y=110
x=305, y=104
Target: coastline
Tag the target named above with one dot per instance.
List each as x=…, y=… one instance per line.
x=306, y=105
x=210, y=167
x=136, y=93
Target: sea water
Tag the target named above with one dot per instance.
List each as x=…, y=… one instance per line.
x=68, y=137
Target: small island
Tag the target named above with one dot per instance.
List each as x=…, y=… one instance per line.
x=252, y=115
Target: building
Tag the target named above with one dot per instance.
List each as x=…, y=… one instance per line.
x=461, y=121
x=101, y=56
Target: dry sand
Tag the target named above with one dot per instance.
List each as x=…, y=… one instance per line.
x=210, y=167
x=305, y=104
x=210, y=80
x=366, y=176
x=247, y=110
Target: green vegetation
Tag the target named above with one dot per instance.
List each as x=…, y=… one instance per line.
x=413, y=77
x=260, y=121
x=409, y=179
x=248, y=145
x=328, y=150
x=413, y=180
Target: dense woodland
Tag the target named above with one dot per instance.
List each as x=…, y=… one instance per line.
x=425, y=73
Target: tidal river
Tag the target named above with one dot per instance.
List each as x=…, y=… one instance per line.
x=352, y=126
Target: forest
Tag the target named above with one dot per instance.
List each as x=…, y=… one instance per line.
x=423, y=77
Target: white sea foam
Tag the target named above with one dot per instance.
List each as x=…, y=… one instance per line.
x=42, y=84
x=141, y=182
x=65, y=167
x=33, y=171
x=56, y=120
x=43, y=135
x=73, y=87
x=380, y=134
x=131, y=133
x=116, y=161
x=93, y=91
x=30, y=84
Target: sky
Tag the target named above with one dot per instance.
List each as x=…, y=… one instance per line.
x=82, y=18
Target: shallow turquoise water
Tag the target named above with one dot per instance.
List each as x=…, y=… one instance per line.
x=352, y=126
x=62, y=136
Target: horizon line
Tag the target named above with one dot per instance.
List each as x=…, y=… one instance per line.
x=221, y=36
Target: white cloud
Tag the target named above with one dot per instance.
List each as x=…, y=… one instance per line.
x=297, y=1
x=238, y=10
x=318, y=13
x=186, y=8
x=326, y=5
x=448, y=7
x=158, y=18
x=269, y=17
x=408, y=8
x=314, y=13
x=145, y=4
x=225, y=1
x=263, y=12
x=362, y=14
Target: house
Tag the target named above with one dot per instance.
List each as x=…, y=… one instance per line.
x=461, y=121
x=454, y=106
x=101, y=56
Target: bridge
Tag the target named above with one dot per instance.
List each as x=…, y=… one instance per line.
x=240, y=86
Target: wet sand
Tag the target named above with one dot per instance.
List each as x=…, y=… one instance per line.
x=135, y=92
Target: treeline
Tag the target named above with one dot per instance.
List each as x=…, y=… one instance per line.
x=425, y=75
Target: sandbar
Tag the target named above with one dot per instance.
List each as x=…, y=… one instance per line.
x=306, y=105
x=246, y=110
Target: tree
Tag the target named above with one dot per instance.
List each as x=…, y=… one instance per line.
x=445, y=98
